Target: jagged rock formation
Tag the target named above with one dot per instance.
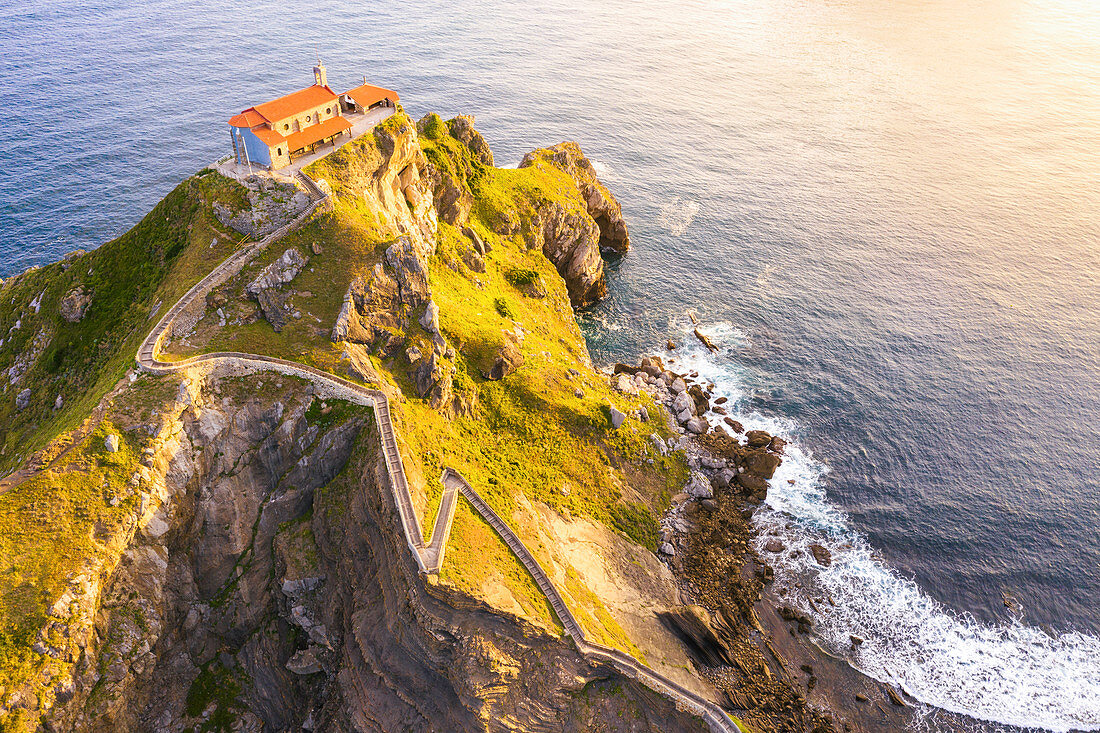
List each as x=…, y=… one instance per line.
x=265, y=584
x=573, y=239
x=267, y=287
x=601, y=205
x=462, y=128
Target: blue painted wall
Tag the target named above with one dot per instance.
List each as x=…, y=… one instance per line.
x=258, y=151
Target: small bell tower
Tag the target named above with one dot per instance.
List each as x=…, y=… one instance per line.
x=320, y=74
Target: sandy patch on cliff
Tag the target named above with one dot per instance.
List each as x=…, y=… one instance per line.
x=629, y=580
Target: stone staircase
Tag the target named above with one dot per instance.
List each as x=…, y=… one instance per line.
x=428, y=556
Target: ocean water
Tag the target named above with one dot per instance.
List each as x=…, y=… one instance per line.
x=886, y=212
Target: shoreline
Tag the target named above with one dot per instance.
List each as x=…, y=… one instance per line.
x=742, y=638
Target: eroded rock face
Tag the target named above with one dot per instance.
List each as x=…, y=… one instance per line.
x=74, y=305
x=462, y=128
x=271, y=582
x=602, y=206
x=569, y=239
x=267, y=287
x=573, y=239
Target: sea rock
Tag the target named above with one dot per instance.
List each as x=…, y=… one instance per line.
x=821, y=555
x=736, y=426
x=75, y=304
x=702, y=404
x=625, y=385
x=758, y=438
x=774, y=545
x=895, y=698
x=682, y=402
x=678, y=385
x=777, y=445
x=753, y=486
x=761, y=463
x=705, y=340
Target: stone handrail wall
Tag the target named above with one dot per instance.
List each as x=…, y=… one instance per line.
x=429, y=558
x=628, y=665
x=520, y=551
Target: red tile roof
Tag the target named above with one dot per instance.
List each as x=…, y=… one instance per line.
x=283, y=107
x=313, y=133
x=269, y=137
x=292, y=104
x=366, y=95
x=248, y=118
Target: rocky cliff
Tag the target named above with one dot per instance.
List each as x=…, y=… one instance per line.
x=225, y=551
x=265, y=585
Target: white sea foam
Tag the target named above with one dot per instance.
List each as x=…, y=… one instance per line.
x=603, y=170
x=1010, y=674
x=677, y=215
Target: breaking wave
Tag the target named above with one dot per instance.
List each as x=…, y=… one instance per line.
x=1010, y=674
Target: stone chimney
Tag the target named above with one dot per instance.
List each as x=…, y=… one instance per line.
x=320, y=75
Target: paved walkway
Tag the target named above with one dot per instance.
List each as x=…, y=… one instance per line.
x=429, y=556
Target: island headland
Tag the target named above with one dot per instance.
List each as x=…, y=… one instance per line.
x=363, y=475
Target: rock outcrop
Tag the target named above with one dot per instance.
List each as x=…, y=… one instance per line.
x=573, y=239
x=462, y=129
x=601, y=205
x=265, y=584
x=267, y=287
x=74, y=305
x=570, y=239
x=271, y=204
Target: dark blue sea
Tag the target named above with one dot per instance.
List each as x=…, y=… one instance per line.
x=885, y=212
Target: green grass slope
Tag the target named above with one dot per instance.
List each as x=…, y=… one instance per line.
x=131, y=280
